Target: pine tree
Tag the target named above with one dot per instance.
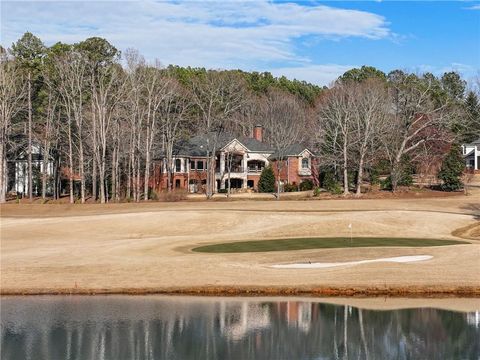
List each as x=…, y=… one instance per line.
x=471, y=129
x=266, y=184
x=452, y=170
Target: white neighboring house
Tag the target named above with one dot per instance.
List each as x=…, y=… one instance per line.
x=18, y=173
x=471, y=154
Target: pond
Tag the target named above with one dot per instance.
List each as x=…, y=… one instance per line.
x=162, y=327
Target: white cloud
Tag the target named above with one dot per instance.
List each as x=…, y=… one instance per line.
x=316, y=74
x=464, y=69
x=215, y=34
x=473, y=7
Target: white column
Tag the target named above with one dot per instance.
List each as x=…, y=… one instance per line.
x=245, y=172
x=476, y=153
x=222, y=163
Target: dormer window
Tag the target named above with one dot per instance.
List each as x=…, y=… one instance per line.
x=305, y=163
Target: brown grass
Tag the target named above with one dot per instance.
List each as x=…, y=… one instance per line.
x=146, y=248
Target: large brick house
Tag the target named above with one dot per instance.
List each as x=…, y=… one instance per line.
x=471, y=154
x=238, y=160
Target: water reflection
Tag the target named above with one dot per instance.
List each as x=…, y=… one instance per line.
x=201, y=328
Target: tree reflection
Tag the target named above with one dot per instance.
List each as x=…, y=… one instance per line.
x=165, y=328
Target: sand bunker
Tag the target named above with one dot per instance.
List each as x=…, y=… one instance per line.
x=399, y=259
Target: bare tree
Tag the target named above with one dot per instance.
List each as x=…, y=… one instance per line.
x=335, y=123
x=48, y=134
x=107, y=93
x=284, y=119
x=12, y=101
x=370, y=117
x=135, y=77
x=417, y=119
x=216, y=96
x=156, y=89
x=173, y=115
x=71, y=73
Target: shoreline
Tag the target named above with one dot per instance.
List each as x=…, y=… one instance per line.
x=436, y=291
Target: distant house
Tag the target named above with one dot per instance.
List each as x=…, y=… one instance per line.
x=18, y=171
x=471, y=154
x=298, y=165
x=238, y=160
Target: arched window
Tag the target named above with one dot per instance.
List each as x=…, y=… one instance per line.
x=305, y=163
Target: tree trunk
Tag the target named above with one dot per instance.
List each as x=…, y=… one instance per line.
x=360, y=175
x=129, y=176
x=70, y=160
x=46, y=147
x=114, y=175
x=147, y=170
x=94, y=180
x=137, y=181
x=3, y=173
x=345, y=169
x=102, y=182
x=279, y=169
x=95, y=146
x=30, y=175
x=82, y=170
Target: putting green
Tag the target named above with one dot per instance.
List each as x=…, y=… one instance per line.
x=319, y=243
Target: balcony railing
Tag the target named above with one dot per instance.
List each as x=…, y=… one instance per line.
x=233, y=169
x=255, y=169
x=305, y=172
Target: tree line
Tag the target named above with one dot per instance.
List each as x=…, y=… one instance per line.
x=106, y=115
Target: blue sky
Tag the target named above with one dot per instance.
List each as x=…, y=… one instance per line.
x=314, y=41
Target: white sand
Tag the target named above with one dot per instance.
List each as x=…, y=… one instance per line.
x=399, y=259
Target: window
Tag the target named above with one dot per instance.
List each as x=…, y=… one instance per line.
x=178, y=165
x=200, y=165
x=192, y=165
x=305, y=163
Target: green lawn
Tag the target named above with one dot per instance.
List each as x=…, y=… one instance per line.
x=318, y=243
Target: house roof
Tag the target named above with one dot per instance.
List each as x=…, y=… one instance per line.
x=476, y=142
x=293, y=150
x=254, y=145
x=198, y=145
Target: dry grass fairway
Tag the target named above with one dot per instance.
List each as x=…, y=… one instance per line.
x=147, y=247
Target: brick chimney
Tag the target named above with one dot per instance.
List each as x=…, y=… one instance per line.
x=258, y=133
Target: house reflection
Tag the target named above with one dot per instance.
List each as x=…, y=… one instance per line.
x=119, y=328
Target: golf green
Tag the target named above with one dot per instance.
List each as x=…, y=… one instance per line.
x=320, y=243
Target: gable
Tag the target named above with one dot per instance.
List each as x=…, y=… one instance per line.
x=234, y=145
x=306, y=153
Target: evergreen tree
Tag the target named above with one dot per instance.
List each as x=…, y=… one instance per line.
x=362, y=74
x=471, y=130
x=452, y=170
x=266, y=184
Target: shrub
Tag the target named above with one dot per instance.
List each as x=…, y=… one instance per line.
x=222, y=191
x=374, y=175
x=452, y=170
x=316, y=191
x=266, y=184
x=306, y=185
x=173, y=196
x=331, y=184
x=405, y=175
x=290, y=188
x=386, y=184
x=152, y=194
